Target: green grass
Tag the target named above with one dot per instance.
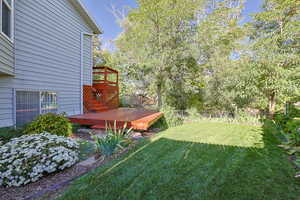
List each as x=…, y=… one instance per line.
x=209, y=161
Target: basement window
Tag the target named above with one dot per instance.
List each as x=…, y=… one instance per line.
x=48, y=102
x=30, y=104
x=27, y=106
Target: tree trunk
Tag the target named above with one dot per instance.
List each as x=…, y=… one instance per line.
x=272, y=105
x=159, y=96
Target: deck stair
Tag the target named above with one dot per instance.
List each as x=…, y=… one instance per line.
x=104, y=93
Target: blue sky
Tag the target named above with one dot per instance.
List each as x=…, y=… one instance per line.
x=101, y=10
x=251, y=6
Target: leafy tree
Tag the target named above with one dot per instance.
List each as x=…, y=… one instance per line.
x=101, y=56
x=156, y=44
x=196, y=53
x=271, y=67
x=97, y=53
x=218, y=39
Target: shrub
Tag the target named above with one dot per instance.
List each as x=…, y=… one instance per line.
x=281, y=119
x=242, y=116
x=292, y=126
x=26, y=159
x=115, y=138
x=86, y=149
x=56, y=124
x=292, y=111
x=193, y=114
x=293, y=130
x=171, y=117
x=7, y=134
x=108, y=144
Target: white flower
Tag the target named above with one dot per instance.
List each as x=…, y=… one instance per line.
x=28, y=158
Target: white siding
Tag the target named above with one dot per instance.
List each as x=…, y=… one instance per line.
x=87, y=60
x=6, y=107
x=47, y=53
x=6, y=56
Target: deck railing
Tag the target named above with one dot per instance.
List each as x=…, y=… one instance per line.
x=104, y=93
x=105, y=75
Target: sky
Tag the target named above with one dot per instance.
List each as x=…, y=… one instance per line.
x=102, y=12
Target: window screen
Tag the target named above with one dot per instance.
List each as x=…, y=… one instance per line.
x=30, y=104
x=27, y=106
x=6, y=19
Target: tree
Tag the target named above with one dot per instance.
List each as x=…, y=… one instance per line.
x=97, y=53
x=272, y=63
x=190, y=51
x=218, y=39
x=156, y=43
x=101, y=56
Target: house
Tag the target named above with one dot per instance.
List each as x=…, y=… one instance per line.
x=45, y=58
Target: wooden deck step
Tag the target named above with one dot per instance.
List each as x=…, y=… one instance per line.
x=138, y=119
x=145, y=122
x=140, y=124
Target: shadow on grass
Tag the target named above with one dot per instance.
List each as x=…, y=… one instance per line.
x=174, y=169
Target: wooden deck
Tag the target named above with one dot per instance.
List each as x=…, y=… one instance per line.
x=138, y=119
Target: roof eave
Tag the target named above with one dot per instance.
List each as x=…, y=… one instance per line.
x=85, y=14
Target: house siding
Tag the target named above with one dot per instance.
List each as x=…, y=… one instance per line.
x=6, y=56
x=6, y=107
x=87, y=60
x=48, y=52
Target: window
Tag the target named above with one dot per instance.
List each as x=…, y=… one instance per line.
x=7, y=17
x=27, y=106
x=48, y=102
x=30, y=104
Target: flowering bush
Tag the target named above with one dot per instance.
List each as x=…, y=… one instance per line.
x=28, y=158
x=56, y=124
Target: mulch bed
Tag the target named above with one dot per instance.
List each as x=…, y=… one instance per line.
x=82, y=136
x=49, y=186
x=30, y=190
x=53, y=182
x=85, y=134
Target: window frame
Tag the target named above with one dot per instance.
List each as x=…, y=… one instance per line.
x=15, y=91
x=51, y=108
x=15, y=102
x=12, y=25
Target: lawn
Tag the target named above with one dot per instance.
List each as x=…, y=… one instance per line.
x=210, y=161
